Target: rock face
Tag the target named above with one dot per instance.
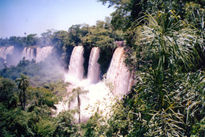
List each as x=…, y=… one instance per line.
x=90, y=95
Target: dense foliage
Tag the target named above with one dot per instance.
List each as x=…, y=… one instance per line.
x=35, y=117
x=38, y=72
x=166, y=52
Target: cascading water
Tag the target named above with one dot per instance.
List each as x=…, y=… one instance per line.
x=98, y=97
x=43, y=53
x=4, y=51
x=24, y=53
x=118, y=74
x=13, y=55
x=28, y=53
x=37, y=53
x=76, y=69
x=94, y=66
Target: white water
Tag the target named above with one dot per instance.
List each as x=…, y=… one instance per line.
x=93, y=98
x=76, y=69
x=43, y=53
x=94, y=66
x=5, y=51
x=98, y=97
x=118, y=75
x=28, y=53
x=40, y=55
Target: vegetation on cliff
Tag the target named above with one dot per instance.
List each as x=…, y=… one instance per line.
x=165, y=50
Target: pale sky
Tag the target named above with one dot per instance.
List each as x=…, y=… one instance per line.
x=37, y=16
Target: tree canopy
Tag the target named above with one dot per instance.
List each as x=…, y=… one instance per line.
x=165, y=50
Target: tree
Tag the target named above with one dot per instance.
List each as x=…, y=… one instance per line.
x=167, y=53
x=76, y=33
x=23, y=84
x=75, y=94
x=46, y=38
x=102, y=35
x=31, y=40
x=129, y=12
x=65, y=125
x=8, y=93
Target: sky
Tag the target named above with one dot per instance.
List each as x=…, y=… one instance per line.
x=36, y=16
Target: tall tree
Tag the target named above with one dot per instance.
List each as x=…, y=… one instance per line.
x=23, y=84
x=167, y=49
x=128, y=12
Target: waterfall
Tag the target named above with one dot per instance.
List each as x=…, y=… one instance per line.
x=37, y=53
x=43, y=53
x=118, y=74
x=76, y=69
x=4, y=51
x=94, y=66
x=95, y=95
x=12, y=55
x=28, y=53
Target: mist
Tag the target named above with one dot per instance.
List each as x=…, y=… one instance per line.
x=41, y=64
